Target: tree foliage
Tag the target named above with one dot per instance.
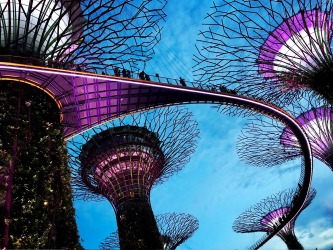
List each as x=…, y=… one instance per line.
x=42, y=212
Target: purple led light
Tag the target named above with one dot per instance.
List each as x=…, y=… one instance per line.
x=122, y=162
x=313, y=118
x=70, y=89
x=102, y=80
x=317, y=123
x=273, y=217
x=317, y=114
x=282, y=51
x=143, y=166
x=75, y=117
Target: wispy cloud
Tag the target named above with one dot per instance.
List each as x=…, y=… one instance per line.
x=317, y=234
x=215, y=186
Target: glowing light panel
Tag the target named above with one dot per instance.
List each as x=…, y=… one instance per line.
x=299, y=43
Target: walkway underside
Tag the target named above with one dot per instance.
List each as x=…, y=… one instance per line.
x=87, y=99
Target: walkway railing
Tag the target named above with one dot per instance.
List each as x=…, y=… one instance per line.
x=166, y=95
x=154, y=77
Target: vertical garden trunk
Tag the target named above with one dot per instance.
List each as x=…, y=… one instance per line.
x=31, y=139
x=10, y=175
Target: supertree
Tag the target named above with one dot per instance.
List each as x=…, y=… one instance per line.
x=81, y=35
x=269, y=213
x=174, y=228
x=273, y=50
x=37, y=209
x=264, y=142
x=123, y=160
x=92, y=35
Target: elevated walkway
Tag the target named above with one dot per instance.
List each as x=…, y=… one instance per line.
x=86, y=100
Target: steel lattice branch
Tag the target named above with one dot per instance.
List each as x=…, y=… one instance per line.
x=270, y=212
x=90, y=35
x=177, y=133
x=265, y=142
x=272, y=50
x=174, y=228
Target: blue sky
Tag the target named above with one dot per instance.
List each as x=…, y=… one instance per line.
x=215, y=186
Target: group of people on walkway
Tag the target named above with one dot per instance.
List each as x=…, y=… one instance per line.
x=125, y=72
x=142, y=75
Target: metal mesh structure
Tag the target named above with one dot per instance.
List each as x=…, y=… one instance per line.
x=125, y=158
x=259, y=144
x=85, y=35
x=122, y=162
x=269, y=213
x=111, y=242
x=174, y=228
x=91, y=36
x=318, y=123
x=273, y=50
x=157, y=142
x=265, y=142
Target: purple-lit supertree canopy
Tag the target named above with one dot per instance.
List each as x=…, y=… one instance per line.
x=124, y=159
x=174, y=228
x=269, y=213
x=274, y=50
x=92, y=36
x=265, y=142
x=317, y=123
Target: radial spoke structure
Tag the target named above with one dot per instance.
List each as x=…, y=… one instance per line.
x=264, y=142
x=85, y=35
x=90, y=36
x=176, y=228
x=274, y=50
x=269, y=213
x=93, y=36
x=122, y=161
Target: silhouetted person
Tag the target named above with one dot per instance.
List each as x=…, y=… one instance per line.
x=78, y=68
x=124, y=73
x=116, y=71
x=142, y=75
x=147, y=77
x=223, y=88
x=158, y=76
x=182, y=81
x=128, y=74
